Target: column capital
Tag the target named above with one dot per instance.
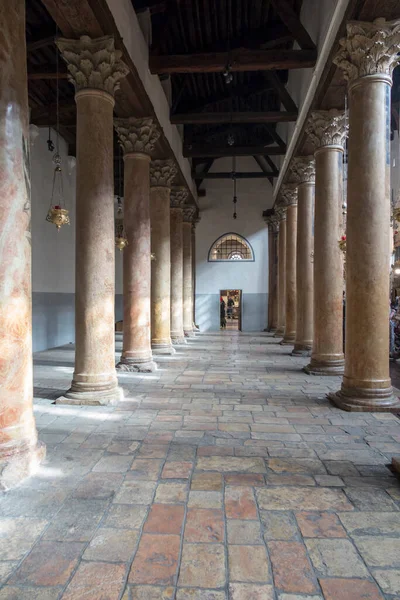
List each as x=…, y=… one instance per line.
x=179, y=195
x=272, y=220
x=289, y=194
x=327, y=127
x=137, y=135
x=303, y=169
x=280, y=212
x=189, y=213
x=162, y=172
x=93, y=63
x=369, y=48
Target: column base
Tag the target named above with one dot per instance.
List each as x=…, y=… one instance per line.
x=325, y=367
x=189, y=333
x=17, y=467
x=302, y=350
x=366, y=400
x=163, y=349
x=92, y=397
x=178, y=340
x=288, y=340
x=279, y=332
x=136, y=366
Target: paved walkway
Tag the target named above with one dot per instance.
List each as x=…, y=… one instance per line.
x=225, y=475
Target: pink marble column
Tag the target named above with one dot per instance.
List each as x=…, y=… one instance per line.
x=196, y=220
x=303, y=171
x=289, y=192
x=281, y=213
x=368, y=55
x=327, y=131
x=162, y=174
x=137, y=138
x=273, y=229
x=188, y=216
x=178, y=197
x=95, y=69
x=20, y=452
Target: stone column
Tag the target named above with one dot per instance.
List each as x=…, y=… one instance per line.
x=281, y=213
x=273, y=228
x=327, y=131
x=162, y=174
x=137, y=138
x=303, y=170
x=368, y=55
x=196, y=220
x=20, y=452
x=95, y=70
x=178, y=197
x=290, y=194
x=188, y=216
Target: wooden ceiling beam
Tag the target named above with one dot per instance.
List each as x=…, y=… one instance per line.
x=284, y=96
x=32, y=75
x=210, y=151
x=234, y=117
x=261, y=160
x=240, y=60
x=293, y=23
x=228, y=175
x=42, y=42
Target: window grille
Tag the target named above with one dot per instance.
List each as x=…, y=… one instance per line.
x=231, y=246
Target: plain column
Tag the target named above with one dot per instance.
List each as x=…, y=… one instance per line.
x=281, y=213
x=178, y=198
x=289, y=193
x=188, y=216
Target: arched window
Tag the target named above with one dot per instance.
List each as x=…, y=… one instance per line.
x=231, y=246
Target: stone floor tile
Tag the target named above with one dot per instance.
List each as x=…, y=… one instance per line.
x=379, y=551
x=165, y=518
x=95, y=580
x=10, y=592
x=371, y=500
x=136, y=492
x=248, y=564
x=204, y=525
x=205, y=500
x=244, y=479
x=98, y=485
x=335, y=558
x=153, y=451
x=279, y=525
x=214, y=451
x=203, y=594
x=388, y=580
x=229, y=463
x=125, y=516
x=302, y=498
x=170, y=492
x=292, y=479
x=298, y=597
x=76, y=521
x=112, y=545
x=17, y=536
x=151, y=592
x=49, y=564
x=291, y=568
x=371, y=523
x=200, y=559
x=240, y=503
x=297, y=465
x=177, y=470
x=206, y=482
x=6, y=568
x=350, y=589
x=243, y=532
x=146, y=468
x=250, y=591
x=329, y=480
x=113, y=464
x=320, y=525
x=156, y=560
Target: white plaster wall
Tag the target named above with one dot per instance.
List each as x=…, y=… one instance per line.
x=53, y=253
x=216, y=210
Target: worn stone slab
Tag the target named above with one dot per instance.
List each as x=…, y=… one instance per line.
x=231, y=464
x=335, y=558
x=292, y=498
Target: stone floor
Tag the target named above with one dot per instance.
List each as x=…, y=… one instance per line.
x=224, y=475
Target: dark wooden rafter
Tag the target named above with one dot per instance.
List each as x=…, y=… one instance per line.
x=242, y=60
x=293, y=23
x=234, y=117
x=42, y=74
x=197, y=150
x=40, y=42
x=205, y=170
x=270, y=174
x=281, y=90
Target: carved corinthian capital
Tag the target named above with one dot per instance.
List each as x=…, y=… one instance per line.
x=137, y=135
x=93, y=63
x=369, y=49
x=289, y=194
x=303, y=169
x=178, y=196
x=327, y=127
x=162, y=173
x=272, y=221
x=189, y=213
x=280, y=210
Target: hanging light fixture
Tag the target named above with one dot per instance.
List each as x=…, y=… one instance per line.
x=57, y=214
x=227, y=72
x=120, y=238
x=234, y=186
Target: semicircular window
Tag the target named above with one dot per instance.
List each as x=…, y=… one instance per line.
x=231, y=246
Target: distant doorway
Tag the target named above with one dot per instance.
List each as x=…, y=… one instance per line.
x=231, y=310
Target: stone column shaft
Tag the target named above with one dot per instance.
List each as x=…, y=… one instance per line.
x=273, y=228
x=327, y=130
x=178, y=197
x=290, y=301
x=19, y=449
x=368, y=56
x=281, y=276
x=95, y=70
x=187, y=273
x=274, y=307
x=162, y=174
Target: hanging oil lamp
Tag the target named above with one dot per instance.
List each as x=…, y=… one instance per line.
x=120, y=238
x=57, y=213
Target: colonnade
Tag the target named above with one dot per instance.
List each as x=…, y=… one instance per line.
x=313, y=300
x=158, y=302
